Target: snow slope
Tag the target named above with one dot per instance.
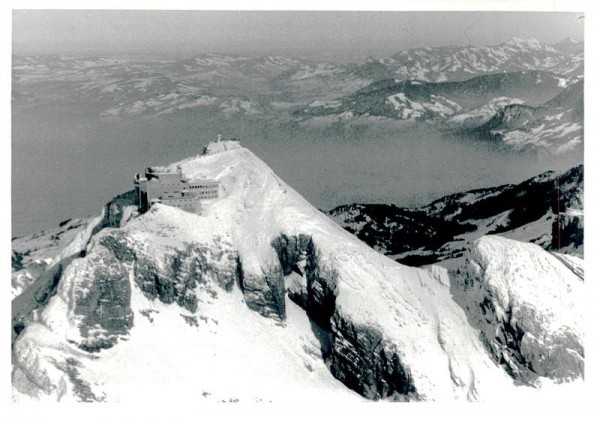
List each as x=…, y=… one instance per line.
x=198, y=303
x=531, y=299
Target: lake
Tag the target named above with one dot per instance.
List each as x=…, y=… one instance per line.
x=67, y=162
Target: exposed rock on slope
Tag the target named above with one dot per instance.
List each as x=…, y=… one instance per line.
x=529, y=315
x=204, y=300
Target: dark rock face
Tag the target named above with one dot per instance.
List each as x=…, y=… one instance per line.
x=357, y=355
x=17, y=260
x=363, y=361
x=264, y=293
x=564, y=361
x=43, y=279
x=117, y=244
x=184, y=272
x=81, y=388
x=321, y=288
x=289, y=250
x=505, y=346
x=113, y=211
x=523, y=355
x=319, y=298
x=567, y=230
x=510, y=117
x=175, y=277
x=105, y=302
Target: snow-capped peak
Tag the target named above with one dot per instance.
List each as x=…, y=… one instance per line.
x=184, y=293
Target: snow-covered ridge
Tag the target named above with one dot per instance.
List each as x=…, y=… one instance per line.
x=384, y=330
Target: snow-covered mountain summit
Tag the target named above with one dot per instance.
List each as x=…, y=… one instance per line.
x=260, y=296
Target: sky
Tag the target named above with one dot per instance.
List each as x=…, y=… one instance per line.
x=349, y=35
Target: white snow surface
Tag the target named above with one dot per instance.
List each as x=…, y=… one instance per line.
x=549, y=288
x=234, y=353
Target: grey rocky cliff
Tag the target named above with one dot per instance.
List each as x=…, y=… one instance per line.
x=357, y=355
x=265, y=292
x=363, y=360
x=103, y=299
x=528, y=322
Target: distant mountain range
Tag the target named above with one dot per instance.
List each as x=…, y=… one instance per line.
x=448, y=85
x=456, y=63
x=417, y=100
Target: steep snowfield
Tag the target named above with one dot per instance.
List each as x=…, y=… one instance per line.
x=169, y=300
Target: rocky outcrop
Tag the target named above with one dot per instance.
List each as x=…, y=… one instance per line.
x=264, y=293
x=98, y=291
x=321, y=288
x=511, y=116
x=567, y=232
x=357, y=355
x=317, y=295
x=528, y=315
x=291, y=250
x=179, y=275
x=366, y=363
x=103, y=304
x=176, y=277
x=114, y=211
